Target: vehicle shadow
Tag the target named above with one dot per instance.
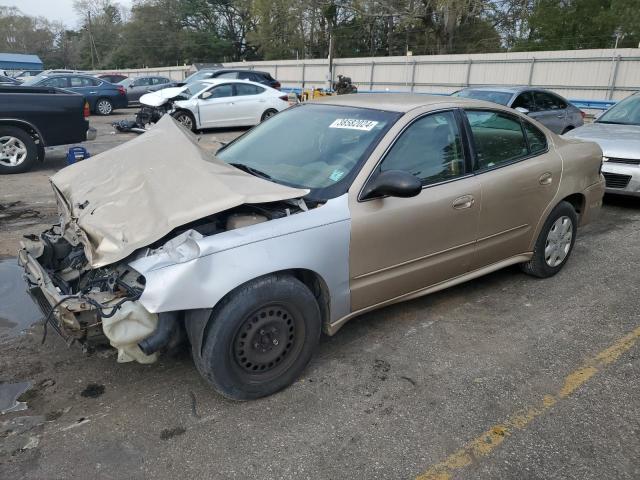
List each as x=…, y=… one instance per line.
x=623, y=201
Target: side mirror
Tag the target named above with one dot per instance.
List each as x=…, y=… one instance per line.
x=392, y=183
x=522, y=110
x=206, y=95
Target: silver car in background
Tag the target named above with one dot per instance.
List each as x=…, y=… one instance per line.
x=617, y=131
x=548, y=108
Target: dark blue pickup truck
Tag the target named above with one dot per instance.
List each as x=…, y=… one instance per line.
x=32, y=118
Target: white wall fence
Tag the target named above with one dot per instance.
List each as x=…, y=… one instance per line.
x=576, y=74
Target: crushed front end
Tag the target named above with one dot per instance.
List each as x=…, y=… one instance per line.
x=90, y=306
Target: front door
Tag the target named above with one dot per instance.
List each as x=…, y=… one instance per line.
x=519, y=176
x=218, y=110
x=402, y=245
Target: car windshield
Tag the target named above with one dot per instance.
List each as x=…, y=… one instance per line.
x=191, y=89
x=201, y=75
x=501, y=98
x=319, y=147
x=627, y=112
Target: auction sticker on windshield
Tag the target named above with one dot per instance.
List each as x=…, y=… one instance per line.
x=353, y=124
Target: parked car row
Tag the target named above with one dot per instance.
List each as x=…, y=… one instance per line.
x=108, y=92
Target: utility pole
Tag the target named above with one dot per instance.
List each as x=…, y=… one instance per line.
x=330, y=55
x=93, y=67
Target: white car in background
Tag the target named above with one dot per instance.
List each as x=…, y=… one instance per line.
x=218, y=102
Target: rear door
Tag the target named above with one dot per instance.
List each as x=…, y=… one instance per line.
x=519, y=176
x=551, y=111
x=402, y=245
x=219, y=109
x=250, y=103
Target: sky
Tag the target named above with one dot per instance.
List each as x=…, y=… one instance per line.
x=54, y=10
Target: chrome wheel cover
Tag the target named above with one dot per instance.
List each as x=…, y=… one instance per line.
x=12, y=151
x=558, y=241
x=104, y=107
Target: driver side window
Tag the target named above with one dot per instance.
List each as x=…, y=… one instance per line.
x=430, y=149
x=222, y=91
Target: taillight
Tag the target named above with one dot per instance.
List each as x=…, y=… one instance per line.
x=284, y=97
x=121, y=90
x=583, y=114
x=86, y=111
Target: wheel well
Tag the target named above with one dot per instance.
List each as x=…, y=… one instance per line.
x=318, y=287
x=577, y=200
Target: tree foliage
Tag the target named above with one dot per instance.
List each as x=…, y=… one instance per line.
x=170, y=32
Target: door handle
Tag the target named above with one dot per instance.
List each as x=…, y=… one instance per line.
x=465, y=201
x=546, y=178
x=93, y=93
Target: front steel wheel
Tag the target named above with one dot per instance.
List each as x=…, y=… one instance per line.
x=259, y=338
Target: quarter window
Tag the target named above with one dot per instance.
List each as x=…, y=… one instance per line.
x=537, y=140
x=430, y=149
x=498, y=138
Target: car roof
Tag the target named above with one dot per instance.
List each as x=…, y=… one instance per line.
x=401, y=102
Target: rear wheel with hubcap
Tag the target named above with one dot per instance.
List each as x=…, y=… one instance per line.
x=268, y=114
x=104, y=106
x=260, y=337
x=554, y=243
x=18, y=151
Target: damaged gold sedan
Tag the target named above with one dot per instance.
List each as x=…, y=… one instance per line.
x=323, y=212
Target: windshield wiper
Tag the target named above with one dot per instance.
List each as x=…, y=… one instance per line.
x=253, y=171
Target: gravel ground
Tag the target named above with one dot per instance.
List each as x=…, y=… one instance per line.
x=503, y=377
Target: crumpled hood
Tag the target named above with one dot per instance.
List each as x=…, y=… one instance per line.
x=618, y=141
x=155, y=99
x=130, y=196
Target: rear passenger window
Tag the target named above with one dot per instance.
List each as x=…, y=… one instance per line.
x=498, y=138
x=430, y=149
x=537, y=140
x=547, y=101
x=248, y=89
x=525, y=100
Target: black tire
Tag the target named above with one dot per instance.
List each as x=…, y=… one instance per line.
x=186, y=119
x=103, y=107
x=543, y=264
x=29, y=144
x=259, y=338
x=268, y=114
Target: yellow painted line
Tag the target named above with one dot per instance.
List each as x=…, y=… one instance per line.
x=488, y=441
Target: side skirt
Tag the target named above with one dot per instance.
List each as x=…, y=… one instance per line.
x=332, y=328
